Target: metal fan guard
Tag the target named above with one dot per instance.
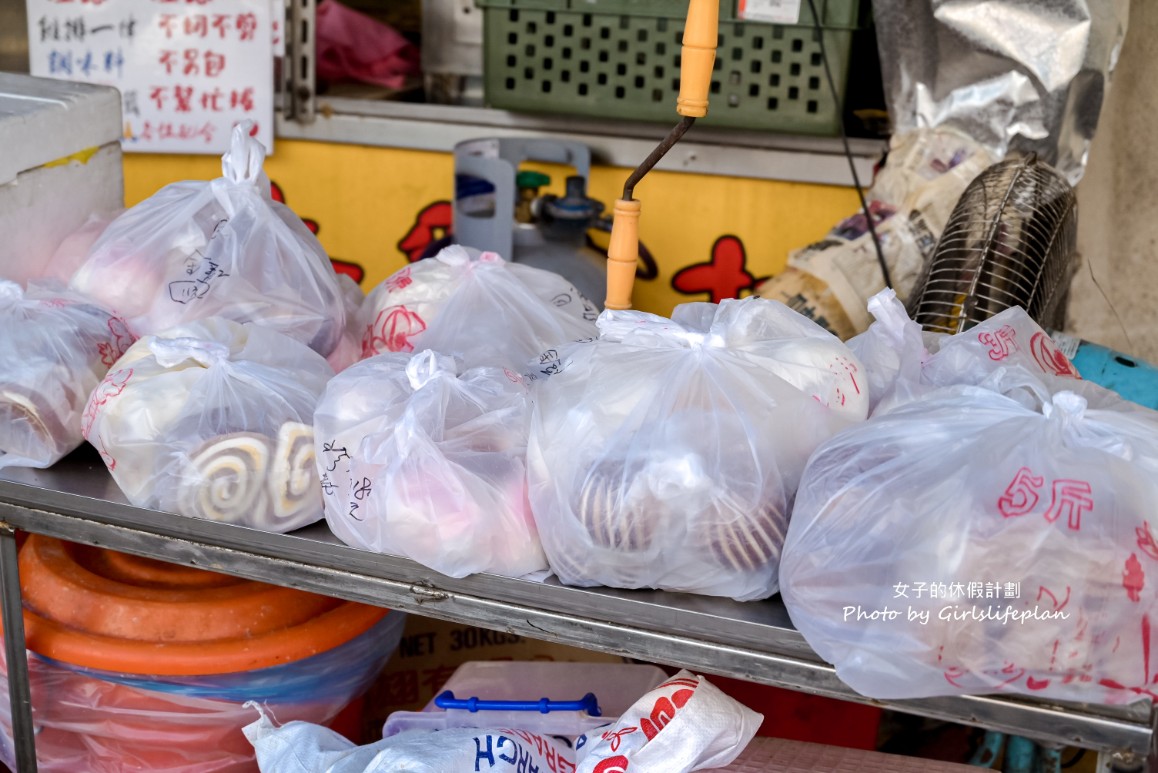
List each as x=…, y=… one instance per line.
x=1010, y=241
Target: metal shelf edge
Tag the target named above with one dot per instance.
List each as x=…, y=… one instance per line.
x=804, y=160
x=1044, y=722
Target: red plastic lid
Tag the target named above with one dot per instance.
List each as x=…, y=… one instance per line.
x=115, y=612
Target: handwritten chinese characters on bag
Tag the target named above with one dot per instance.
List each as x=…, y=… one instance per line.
x=187, y=70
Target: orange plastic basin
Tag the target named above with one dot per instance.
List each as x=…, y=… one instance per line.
x=115, y=612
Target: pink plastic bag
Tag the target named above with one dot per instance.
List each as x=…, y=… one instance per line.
x=353, y=46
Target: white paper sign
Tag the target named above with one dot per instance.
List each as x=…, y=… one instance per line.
x=775, y=11
x=277, y=11
x=188, y=70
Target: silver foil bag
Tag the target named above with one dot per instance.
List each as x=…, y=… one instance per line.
x=1014, y=75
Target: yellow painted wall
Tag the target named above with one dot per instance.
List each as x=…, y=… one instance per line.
x=365, y=200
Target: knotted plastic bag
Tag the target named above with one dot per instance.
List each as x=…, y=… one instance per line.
x=223, y=248
x=475, y=306
x=666, y=453
x=55, y=347
x=214, y=420
x=902, y=363
x=422, y=458
x=965, y=542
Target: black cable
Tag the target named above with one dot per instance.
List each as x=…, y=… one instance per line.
x=1074, y=760
x=847, y=150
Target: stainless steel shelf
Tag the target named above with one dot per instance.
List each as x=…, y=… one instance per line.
x=77, y=500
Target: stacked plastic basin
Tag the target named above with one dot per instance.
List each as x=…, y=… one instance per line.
x=142, y=665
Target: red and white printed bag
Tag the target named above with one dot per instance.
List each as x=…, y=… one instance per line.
x=902, y=362
x=55, y=347
x=476, y=306
x=980, y=539
x=685, y=724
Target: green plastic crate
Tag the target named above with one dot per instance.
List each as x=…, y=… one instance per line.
x=620, y=59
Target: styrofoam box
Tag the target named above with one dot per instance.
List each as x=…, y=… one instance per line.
x=60, y=163
x=616, y=686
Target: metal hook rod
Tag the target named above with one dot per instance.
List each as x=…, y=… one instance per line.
x=653, y=158
x=15, y=652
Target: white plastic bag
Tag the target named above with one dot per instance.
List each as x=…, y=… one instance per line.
x=901, y=362
x=685, y=724
x=421, y=458
x=666, y=453
x=221, y=248
x=967, y=543
x=349, y=348
x=301, y=747
x=55, y=347
x=71, y=253
x=214, y=420
x=475, y=306
x=893, y=351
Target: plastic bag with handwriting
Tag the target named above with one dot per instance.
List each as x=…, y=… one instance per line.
x=475, y=306
x=666, y=453
x=422, y=458
x=223, y=248
x=214, y=420
x=55, y=347
x=966, y=543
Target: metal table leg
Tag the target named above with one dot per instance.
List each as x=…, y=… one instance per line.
x=15, y=653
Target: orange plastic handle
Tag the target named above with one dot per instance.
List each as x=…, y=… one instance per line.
x=697, y=57
x=622, y=254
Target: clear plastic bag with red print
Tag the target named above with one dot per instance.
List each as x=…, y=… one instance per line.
x=475, y=306
x=902, y=362
x=666, y=453
x=224, y=248
x=421, y=457
x=214, y=420
x=968, y=542
x=55, y=347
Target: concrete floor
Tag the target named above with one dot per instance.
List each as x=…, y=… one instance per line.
x=1118, y=205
